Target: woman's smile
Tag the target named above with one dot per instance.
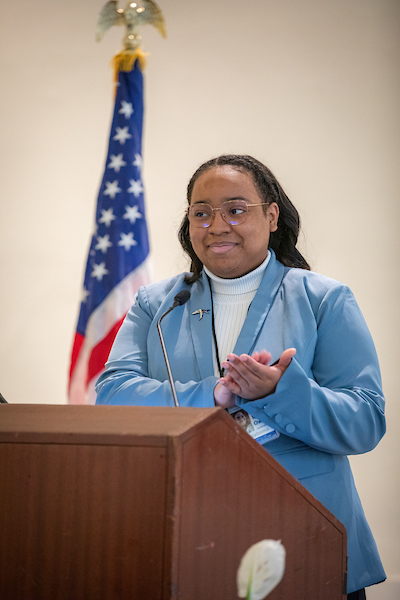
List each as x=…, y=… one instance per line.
x=222, y=247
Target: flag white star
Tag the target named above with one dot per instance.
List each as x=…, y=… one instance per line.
x=126, y=109
x=107, y=216
x=138, y=162
x=132, y=213
x=85, y=293
x=103, y=243
x=127, y=240
x=136, y=187
x=122, y=134
x=112, y=189
x=116, y=162
x=99, y=271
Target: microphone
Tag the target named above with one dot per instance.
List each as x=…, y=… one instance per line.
x=181, y=298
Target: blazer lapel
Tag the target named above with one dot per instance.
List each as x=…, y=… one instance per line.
x=260, y=307
x=200, y=326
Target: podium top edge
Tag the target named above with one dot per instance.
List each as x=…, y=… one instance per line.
x=40, y=422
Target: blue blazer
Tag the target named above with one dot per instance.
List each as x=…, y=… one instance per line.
x=328, y=403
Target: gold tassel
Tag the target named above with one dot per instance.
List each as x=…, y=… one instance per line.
x=125, y=60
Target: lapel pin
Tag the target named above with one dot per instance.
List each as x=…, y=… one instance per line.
x=201, y=312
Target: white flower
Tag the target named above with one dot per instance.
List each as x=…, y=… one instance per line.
x=261, y=569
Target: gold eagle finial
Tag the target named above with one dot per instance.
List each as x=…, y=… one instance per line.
x=141, y=12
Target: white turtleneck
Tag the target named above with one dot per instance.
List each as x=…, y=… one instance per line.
x=231, y=301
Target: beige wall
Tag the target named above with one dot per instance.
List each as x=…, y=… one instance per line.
x=311, y=87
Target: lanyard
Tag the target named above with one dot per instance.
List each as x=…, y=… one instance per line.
x=221, y=371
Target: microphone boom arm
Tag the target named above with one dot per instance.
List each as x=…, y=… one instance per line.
x=171, y=381
x=181, y=298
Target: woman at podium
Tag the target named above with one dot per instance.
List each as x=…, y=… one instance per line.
x=262, y=334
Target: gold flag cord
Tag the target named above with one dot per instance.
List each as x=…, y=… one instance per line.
x=125, y=60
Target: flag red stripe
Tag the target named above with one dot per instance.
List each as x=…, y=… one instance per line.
x=76, y=349
x=100, y=352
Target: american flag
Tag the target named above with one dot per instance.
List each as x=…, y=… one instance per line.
x=118, y=261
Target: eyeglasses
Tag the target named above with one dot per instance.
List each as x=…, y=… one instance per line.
x=233, y=212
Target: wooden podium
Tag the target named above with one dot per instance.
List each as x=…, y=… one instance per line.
x=135, y=503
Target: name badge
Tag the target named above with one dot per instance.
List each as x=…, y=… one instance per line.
x=259, y=431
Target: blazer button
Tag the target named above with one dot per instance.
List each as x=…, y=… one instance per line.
x=278, y=418
x=290, y=428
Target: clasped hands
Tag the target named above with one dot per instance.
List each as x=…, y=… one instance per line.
x=251, y=377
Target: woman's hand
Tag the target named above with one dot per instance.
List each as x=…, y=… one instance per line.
x=251, y=377
x=223, y=396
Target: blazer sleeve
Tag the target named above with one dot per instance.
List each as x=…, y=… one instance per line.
x=338, y=405
x=126, y=380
